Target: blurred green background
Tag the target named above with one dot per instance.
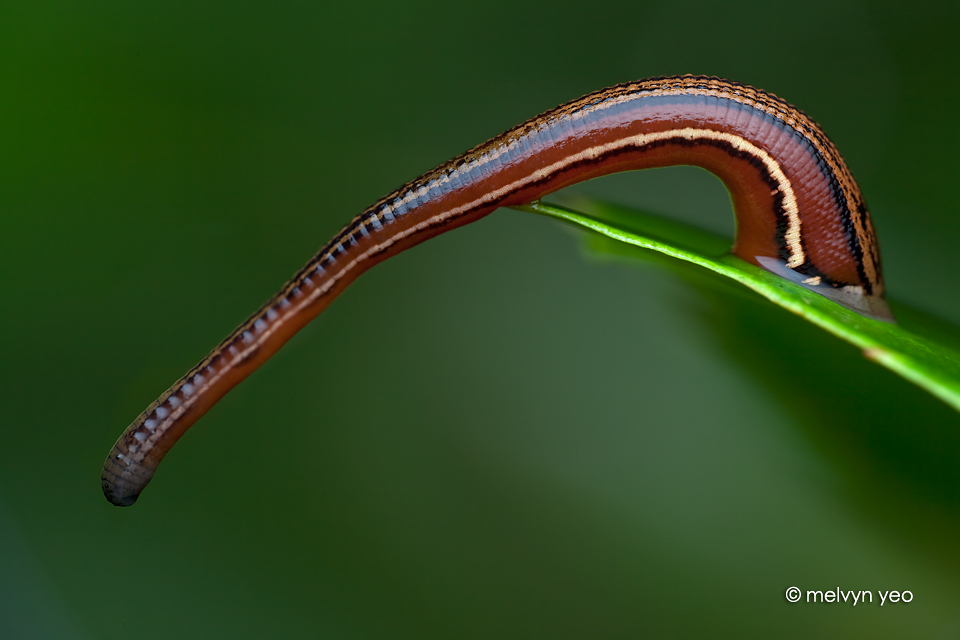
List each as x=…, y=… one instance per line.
x=495, y=434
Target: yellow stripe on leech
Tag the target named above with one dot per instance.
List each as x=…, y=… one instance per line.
x=797, y=256
x=792, y=236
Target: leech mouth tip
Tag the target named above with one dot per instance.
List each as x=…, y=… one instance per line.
x=124, y=501
x=118, y=499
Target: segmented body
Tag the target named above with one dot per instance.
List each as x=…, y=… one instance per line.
x=799, y=212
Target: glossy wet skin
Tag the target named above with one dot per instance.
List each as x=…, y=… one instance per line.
x=799, y=213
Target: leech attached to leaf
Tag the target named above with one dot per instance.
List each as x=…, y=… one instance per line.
x=799, y=214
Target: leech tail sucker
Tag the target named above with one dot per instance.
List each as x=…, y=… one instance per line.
x=799, y=213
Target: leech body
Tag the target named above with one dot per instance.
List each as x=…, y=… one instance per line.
x=799, y=213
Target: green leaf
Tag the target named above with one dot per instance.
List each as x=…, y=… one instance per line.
x=915, y=348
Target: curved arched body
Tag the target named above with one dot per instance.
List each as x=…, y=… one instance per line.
x=798, y=210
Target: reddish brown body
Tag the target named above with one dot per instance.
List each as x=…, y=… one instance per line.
x=799, y=213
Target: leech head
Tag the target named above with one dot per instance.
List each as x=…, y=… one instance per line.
x=123, y=477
